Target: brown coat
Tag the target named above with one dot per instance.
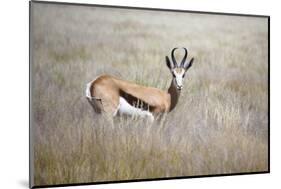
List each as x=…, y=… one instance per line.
x=109, y=89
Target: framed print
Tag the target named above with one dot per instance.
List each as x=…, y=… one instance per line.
x=121, y=94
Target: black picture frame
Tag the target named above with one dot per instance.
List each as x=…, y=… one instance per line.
x=31, y=184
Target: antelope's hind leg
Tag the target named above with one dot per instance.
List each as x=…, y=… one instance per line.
x=110, y=108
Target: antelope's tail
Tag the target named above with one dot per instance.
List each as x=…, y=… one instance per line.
x=94, y=101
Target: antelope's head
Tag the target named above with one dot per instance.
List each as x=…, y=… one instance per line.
x=178, y=70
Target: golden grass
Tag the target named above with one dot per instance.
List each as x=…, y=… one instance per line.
x=219, y=126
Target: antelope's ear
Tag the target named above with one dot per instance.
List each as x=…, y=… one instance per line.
x=187, y=66
x=169, y=64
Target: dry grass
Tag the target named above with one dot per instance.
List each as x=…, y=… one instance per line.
x=219, y=126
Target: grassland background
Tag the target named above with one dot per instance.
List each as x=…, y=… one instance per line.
x=219, y=126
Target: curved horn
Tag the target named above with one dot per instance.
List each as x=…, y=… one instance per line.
x=173, y=57
x=184, y=58
x=186, y=67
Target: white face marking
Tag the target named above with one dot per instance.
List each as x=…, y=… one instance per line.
x=178, y=73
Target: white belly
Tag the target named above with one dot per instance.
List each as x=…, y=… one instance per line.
x=125, y=108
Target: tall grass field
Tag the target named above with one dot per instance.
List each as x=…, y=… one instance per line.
x=219, y=126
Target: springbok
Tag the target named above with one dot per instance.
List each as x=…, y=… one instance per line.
x=116, y=96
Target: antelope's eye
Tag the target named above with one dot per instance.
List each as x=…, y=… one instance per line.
x=183, y=75
x=173, y=74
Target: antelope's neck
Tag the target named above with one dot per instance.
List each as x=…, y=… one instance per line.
x=174, y=94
